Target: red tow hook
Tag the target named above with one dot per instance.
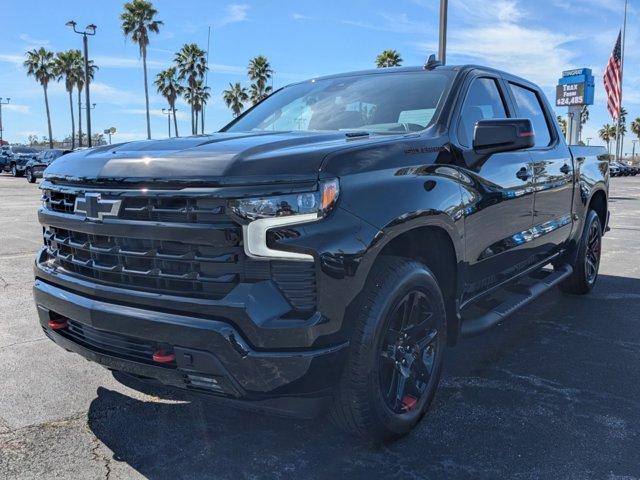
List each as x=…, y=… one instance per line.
x=163, y=355
x=57, y=324
x=409, y=402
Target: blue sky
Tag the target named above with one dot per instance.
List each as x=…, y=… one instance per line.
x=302, y=39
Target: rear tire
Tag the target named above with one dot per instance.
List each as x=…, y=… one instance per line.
x=30, y=177
x=14, y=170
x=587, y=259
x=395, y=358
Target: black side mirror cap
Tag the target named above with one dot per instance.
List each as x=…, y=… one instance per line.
x=503, y=135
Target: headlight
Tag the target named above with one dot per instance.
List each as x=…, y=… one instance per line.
x=319, y=202
x=282, y=211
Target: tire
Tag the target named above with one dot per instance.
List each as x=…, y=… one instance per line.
x=30, y=177
x=587, y=258
x=366, y=404
x=14, y=170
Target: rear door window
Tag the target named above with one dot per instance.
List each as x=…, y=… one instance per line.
x=529, y=106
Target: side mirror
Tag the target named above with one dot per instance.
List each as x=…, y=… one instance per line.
x=503, y=135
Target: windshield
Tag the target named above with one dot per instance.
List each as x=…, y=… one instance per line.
x=378, y=103
x=24, y=150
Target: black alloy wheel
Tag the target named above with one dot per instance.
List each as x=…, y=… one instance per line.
x=592, y=256
x=408, y=353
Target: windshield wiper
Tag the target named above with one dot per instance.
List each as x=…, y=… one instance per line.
x=356, y=134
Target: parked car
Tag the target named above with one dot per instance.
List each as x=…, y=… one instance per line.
x=324, y=248
x=625, y=170
x=614, y=170
x=15, y=158
x=35, y=167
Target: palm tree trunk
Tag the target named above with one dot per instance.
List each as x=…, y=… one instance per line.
x=146, y=91
x=192, y=122
x=195, y=131
x=79, y=117
x=73, y=125
x=46, y=102
x=202, y=120
x=175, y=121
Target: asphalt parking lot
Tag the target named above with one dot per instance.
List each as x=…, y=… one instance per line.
x=554, y=392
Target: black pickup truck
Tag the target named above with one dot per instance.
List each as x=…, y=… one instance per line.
x=324, y=248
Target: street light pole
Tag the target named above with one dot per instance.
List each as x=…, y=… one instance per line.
x=2, y=102
x=442, y=46
x=167, y=112
x=633, y=150
x=89, y=30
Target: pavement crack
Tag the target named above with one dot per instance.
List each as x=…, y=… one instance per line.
x=23, y=342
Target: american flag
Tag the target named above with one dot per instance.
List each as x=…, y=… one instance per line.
x=613, y=80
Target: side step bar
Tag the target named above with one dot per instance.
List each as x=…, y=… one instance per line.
x=515, y=301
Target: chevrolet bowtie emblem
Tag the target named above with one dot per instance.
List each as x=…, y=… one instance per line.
x=96, y=208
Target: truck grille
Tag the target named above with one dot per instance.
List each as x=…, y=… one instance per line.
x=186, y=266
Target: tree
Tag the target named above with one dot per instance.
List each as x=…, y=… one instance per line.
x=167, y=85
x=563, y=124
x=197, y=96
x=607, y=133
x=79, y=78
x=635, y=127
x=259, y=71
x=191, y=61
x=64, y=67
x=388, y=58
x=234, y=97
x=138, y=19
x=40, y=65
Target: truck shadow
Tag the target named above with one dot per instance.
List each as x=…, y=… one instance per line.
x=501, y=393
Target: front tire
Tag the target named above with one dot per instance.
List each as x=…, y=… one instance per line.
x=395, y=358
x=14, y=170
x=30, y=177
x=587, y=259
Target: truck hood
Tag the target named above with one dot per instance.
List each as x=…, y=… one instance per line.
x=217, y=159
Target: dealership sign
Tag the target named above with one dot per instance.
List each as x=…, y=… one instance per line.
x=575, y=88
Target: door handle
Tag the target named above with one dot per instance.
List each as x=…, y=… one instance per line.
x=566, y=169
x=523, y=174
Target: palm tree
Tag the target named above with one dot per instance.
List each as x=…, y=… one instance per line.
x=191, y=61
x=607, y=133
x=168, y=86
x=64, y=67
x=635, y=127
x=79, y=80
x=259, y=71
x=563, y=124
x=138, y=19
x=388, y=58
x=235, y=97
x=197, y=97
x=40, y=64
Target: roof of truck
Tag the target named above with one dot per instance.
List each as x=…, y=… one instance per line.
x=439, y=68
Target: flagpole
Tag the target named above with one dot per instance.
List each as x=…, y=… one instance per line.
x=619, y=141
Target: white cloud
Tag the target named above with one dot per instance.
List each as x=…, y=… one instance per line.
x=11, y=58
x=300, y=16
x=33, y=42
x=234, y=13
x=14, y=107
x=105, y=93
x=106, y=61
x=502, y=37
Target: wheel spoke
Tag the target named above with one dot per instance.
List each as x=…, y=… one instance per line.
x=427, y=339
x=392, y=383
x=401, y=388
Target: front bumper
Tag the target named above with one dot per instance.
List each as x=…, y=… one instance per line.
x=211, y=356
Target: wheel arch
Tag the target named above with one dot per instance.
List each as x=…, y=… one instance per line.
x=598, y=203
x=434, y=246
